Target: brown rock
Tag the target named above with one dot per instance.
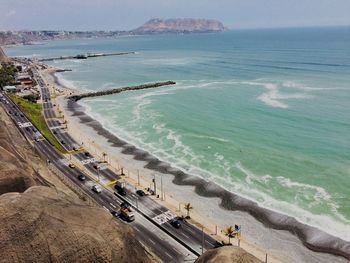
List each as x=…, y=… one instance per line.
x=228, y=254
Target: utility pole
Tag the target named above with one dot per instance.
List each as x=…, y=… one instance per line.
x=154, y=184
x=161, y=187
x=138, y=177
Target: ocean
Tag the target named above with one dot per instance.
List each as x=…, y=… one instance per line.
x=263, y=113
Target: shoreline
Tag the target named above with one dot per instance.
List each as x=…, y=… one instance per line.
x=311, y=237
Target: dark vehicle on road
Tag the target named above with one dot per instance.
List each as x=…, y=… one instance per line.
x=120, y=186
x=121, y=191
x=140, y=193
x=176, y=223
x=96, y=166
x=63, y=142
x=125, y=205
x=27, y=128
x=82, y=177
x=87, y=154
x=54, y=132
x=22, y=115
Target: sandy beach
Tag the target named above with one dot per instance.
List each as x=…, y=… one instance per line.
x=214, y=207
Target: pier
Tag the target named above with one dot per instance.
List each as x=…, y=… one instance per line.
x=119, y=90
x=86, y=56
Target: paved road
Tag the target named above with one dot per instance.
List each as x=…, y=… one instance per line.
x=164, y=246
x=152, y=224
x=188, y=233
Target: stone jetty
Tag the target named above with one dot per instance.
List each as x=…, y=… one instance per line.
x=119, y=90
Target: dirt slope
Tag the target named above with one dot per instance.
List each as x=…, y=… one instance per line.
x=228, y=254
x=39, y=225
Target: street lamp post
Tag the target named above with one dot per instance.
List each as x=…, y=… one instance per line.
x=202, y=239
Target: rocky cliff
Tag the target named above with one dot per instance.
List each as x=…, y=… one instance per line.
x=180, y=25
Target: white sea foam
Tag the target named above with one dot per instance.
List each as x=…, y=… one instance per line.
x=209, y=138
x=228, y=182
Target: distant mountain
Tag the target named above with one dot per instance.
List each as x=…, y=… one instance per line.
x=180, y=25
x=153, y=26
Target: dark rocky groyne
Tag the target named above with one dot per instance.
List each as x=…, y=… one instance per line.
x=119, y=90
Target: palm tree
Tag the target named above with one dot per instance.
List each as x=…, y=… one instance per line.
x=230, y=232
x=188, y=207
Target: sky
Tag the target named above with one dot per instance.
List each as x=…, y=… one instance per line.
x=129, y=14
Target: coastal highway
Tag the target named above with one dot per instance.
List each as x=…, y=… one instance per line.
x=168, y=243
x=164, y=246
x=188, y=233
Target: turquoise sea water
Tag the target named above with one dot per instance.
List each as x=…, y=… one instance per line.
x=264, y=113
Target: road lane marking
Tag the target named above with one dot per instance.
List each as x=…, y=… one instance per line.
x=164, y=217
x=209, y=243
x=152, y=241
x=112, y=205
x=87, y=161
x=191, y=230
x=168, y=255
x=186, y=235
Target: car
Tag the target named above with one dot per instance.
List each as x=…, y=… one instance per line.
x=10, y=112
x=125, y=205
x=97, y=189
x=16, y=114
x=63, y=142
x=176, y=223
x=22, y=115
x=140, y=193
x=81, y=177
x=72, y=165
x=87, y=154
x=54, y=132
x=121, y=191
x=33, y=129
x=27, y=128
x=96, y=166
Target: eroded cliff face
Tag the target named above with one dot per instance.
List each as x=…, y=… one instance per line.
x=41, y=225
x=185, y=25
x=228, y=254
x=42, y=220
